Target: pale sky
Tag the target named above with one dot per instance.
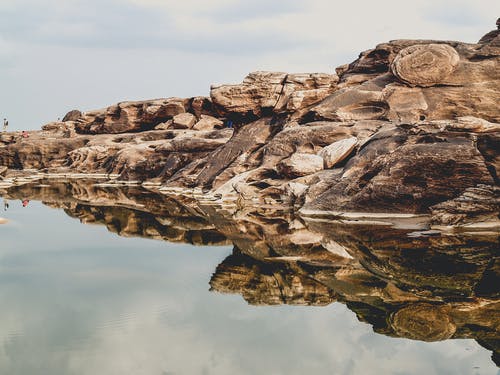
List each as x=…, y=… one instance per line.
x=57, y=55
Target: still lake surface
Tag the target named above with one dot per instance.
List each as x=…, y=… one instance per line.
x=77, y=299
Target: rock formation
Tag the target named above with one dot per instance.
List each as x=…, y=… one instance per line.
x=410, y=127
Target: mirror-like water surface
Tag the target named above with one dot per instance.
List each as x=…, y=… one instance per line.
x=79, y=299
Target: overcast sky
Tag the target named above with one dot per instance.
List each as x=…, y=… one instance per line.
x=56, y=55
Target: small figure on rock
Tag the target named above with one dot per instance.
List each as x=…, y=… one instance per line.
x=25, y=134
x=5, y=125
x=5, y=204
x=229, y=124
x=25, y=202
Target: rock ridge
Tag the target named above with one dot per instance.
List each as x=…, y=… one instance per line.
x=411, y=126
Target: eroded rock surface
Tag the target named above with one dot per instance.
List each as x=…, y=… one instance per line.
x=411, y=126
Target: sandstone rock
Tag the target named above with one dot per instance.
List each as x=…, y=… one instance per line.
x=184, y=121
x=164, y=125
x=302, y=90
x=264, y=92
x=299, y=165
x=369, y=89
x=475, y=205
x=66, y=129
x=396, y=169
x=295, y=190
x=201, y=105
x=259, y=91
x=207, y=123
x=130, y=116
x=73, y=115
x=246, y=140
x=471, y=124
x=337, y=151
x=424, y=114
x=425, y=64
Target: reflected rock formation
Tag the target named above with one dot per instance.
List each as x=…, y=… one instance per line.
x=404, y=280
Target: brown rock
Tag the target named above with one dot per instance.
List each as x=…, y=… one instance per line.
x=208, y=123
x=73, y=115
x=475, y=205
x=299, y=165
x=425, y=65
x=164, y=125
x=183, y=121
x=264, y=92
x=130, y=116
x=337, y=151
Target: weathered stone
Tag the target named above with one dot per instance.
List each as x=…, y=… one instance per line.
x=476, y=204
x=164, y=125
x=422, y=116
x=300, y=164
x=425, y=64
x=66, y=129
x=337, y=151
x=130, y=116
x=201, y=105
x=73, y=115
x=264, y=92
x=183, y=121
x=396, y=171
x=208, y=123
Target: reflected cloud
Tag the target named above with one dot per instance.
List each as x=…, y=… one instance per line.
x=141, y=305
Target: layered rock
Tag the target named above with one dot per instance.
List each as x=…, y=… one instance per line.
x=409, y=127
x=263, y=93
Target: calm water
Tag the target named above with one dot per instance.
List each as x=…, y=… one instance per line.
x=77, y=299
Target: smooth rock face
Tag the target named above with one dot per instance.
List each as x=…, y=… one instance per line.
x=425, y=65
x=299, y=165
x=337, y=151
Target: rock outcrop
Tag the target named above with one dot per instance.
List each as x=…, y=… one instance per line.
x=410, y=127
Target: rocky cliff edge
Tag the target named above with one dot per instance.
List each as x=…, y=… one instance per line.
x=410, y=127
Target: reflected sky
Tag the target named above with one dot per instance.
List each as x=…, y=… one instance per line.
x=77, y=299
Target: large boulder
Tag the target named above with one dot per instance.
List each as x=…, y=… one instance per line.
x=398, y=171
x=425, y=65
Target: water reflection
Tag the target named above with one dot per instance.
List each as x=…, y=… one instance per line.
x=422, y=286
